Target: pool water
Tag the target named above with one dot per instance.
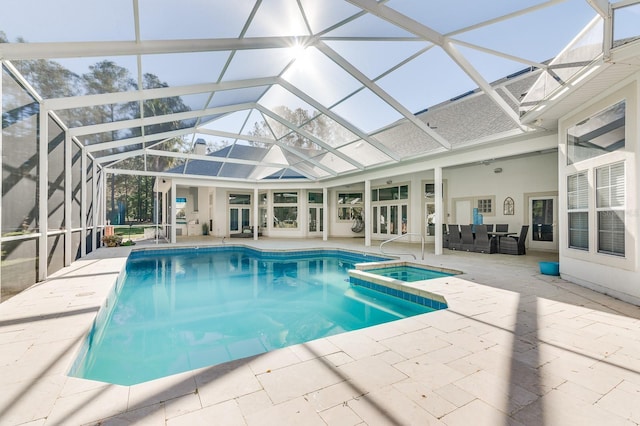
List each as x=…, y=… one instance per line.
x=408, y=273
x=177, y=310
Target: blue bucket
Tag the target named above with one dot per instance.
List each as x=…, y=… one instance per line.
x=550, y=268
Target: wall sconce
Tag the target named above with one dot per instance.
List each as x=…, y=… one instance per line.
x=389, y=182
x=497, y=170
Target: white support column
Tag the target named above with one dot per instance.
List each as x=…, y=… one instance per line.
x=94, y=203
x=256, y=217
x=83, y=203
x=172, y=213
x=103, y=212
x=43, y=188
x=165, y=208
x=2, y=173
x=68, y=154
x=325, y=214
x=439, y=209
x=368, y=219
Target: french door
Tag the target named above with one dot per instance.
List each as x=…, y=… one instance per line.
x=315, y=220
x=543, y=232
x=238, y=218
x=389, y=220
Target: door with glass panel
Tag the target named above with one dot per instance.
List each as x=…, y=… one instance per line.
x=315, y=220
x=390, y=220
x=543, y=233
x=316, y=213
x=239, y=212
x=390, y=211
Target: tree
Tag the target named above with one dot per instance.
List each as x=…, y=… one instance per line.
x=49, y=78
x=314, y=123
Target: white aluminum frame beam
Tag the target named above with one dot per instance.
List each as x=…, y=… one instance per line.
x=146, y=94
x=182, y=155
x=57, y=50
x=156, y=119
x=338, y=119
x=156, y=137
x=369, y=84
x=309, y=136
x=43, y=201
x=414, y=27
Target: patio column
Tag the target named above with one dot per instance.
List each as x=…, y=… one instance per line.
x=256, y=216
x=43, y=186
x=67, y=198
x=367, y=212
x=83, y=203
x=325, y=214
x=437, y=174
x=94, y=206
x=172, y=212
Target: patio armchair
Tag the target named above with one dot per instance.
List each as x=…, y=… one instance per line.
x=455, y=242
x=445, y=236
x=466, y=233
x=483, y=242
x=513, y=244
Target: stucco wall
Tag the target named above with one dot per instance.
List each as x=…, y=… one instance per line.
x=519, y=177
x=610, y=274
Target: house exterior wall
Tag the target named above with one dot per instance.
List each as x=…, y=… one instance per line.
x=616, y=275
x=518, y=179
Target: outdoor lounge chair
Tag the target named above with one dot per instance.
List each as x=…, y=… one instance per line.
x=483, y=242
x=466, y=233
x=514, y=245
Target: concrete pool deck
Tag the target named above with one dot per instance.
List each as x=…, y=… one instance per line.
x=514, y=348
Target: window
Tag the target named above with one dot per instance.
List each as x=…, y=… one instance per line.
x=625, y=23
x=610, y=205
x=390, y=193
x=284, y=214
x=597, y=135
x=262, y=210
x=350, y=206
x=430, y=191
x=285, y=198
x=315, y=198
x=485, y=205
x=577, y=206
x=244, y=199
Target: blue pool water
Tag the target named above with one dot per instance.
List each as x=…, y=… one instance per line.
x=408, y=273
x=177, y=310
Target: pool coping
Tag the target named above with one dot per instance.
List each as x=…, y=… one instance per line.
x=216, y=247
x=413, y=291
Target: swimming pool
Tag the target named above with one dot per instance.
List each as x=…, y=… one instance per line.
x=180, y=309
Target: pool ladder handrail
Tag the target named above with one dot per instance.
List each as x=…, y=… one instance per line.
x=400, y=236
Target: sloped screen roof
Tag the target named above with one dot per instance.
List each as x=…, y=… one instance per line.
x=280, y=88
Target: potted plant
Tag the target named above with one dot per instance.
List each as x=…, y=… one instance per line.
x=205, y=229
x=112, y=240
